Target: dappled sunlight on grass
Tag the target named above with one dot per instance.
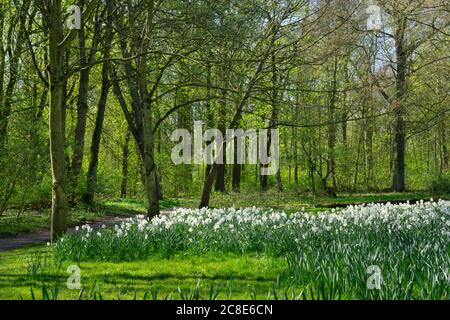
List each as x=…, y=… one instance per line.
x=240, y=274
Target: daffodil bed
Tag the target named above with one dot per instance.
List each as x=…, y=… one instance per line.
x=403, y=249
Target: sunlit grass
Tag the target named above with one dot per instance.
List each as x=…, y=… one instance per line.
x=235, y=276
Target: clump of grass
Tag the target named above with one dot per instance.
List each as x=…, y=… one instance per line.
x=196, y=293
x=36, y=266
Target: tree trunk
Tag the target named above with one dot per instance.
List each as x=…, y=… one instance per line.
x=148, y=158
x=236, y=180
x=82, y=111
x=85, y=60
x=88, y=197
x=125, y=155
x=263, y=180
x=444, y=148
x=140, y=119
x=221, y=168
x=56, y=120
x=220, y=181
x=295, y=158
x=332, y=128
x=399, y=109
x=273, y=125
x=150, y=172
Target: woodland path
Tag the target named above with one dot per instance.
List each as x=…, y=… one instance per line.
x=32, y=238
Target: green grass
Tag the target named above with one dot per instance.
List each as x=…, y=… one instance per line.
x=236, y=277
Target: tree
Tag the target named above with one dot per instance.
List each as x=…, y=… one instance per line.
x=88, y=197
x=406, y=18
x=57, y=43
x=86, y=59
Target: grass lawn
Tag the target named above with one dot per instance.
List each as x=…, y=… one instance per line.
x=231, y=276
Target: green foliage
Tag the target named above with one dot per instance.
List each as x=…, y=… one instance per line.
x=441, y=185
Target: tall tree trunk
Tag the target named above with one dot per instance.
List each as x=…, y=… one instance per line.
x=150, y=170
x=209, y=108
x=399, y=108
x=444, y=149
x=148, y=158
x=368, y=143
x=207, y=187
x=140, y=118
x=82, y=111
x=295, y=156
x=85, y=60
x=56, y=76
x=263, y=180
x=296, y=178
x=332, y=129
x=88, y=197
x=237, y=168
x=221, y=168
x=273, y=125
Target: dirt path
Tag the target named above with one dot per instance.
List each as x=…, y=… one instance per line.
x=27, y=239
